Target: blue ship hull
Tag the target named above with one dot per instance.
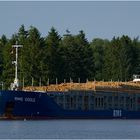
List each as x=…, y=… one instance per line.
x=37, y=105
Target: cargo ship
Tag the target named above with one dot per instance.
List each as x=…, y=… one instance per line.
x=91, y=100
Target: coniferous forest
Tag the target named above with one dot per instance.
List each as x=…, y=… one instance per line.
x=67, y=57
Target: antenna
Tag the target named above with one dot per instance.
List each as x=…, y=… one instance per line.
x=16, y=81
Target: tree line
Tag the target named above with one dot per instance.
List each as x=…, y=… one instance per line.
x=68, y=57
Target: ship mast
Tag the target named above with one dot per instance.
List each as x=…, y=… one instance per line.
x=15, y=85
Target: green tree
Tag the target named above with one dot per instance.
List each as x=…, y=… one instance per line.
x=98, y=52
x=118, y=59
x=51, y=55
x=85, y=59
x=78, y=57
x=32, y=57
x=136, y=56
x=3, y=41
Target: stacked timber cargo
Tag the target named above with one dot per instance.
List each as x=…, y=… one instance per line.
x=85, y=86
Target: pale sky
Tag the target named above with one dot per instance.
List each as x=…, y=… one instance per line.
x=97, y=19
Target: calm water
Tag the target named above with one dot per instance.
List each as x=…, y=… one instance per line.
x=78, y=129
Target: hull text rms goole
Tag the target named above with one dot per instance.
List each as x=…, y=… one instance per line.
x=100, y=100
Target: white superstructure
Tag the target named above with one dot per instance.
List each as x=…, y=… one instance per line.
x=136, y=78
